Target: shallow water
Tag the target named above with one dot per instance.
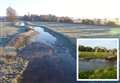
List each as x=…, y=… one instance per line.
x=3, y=40
x=50, y=59
x=86, y=65
x=22, y=24
x=43, y=37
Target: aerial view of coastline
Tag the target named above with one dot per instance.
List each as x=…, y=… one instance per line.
x=38, y=39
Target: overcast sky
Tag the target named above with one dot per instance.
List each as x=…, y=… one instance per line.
x=102, y=42
x=71, y=8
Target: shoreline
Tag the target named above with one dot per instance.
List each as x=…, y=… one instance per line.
x=16, y=42
x=77, y=23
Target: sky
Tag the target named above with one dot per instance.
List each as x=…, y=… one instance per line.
x=71, y=8
x=102, y=42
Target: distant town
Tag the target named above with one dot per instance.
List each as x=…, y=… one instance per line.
x=53, y=18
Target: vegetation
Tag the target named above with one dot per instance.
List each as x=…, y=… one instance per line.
x=97, y=52
x=107, y=73
x=98, y=22
x=47, y=18
x=11, y=14
x=111, y=23
x=95, y=49
x=93, y=55
x=87, y=21
x=87, y=52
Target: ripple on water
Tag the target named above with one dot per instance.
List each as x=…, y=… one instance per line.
x=85, y=65
x=43, y=37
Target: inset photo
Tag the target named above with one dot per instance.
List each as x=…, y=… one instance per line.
x=97, y=59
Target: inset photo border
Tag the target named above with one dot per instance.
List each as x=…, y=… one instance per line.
x=96, y=59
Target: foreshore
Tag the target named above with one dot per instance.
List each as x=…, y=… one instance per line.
x=11, y=48
x=21, y=39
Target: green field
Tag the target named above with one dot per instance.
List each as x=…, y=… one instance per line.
x=93, y=55
x=107, y=73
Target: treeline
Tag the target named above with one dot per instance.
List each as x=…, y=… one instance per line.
x=11, y=15
x=46, y=18
x=63, y=19
x=97, y=22
x=95, y=49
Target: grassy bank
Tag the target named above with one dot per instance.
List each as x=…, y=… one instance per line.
x=106, y=73
x=93, y=55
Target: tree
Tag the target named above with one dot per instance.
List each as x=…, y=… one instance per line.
x=85, y=48
x=81, y=48
x=27, y=18
x=111, y=23
x=114, y=51
x=11, y=14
